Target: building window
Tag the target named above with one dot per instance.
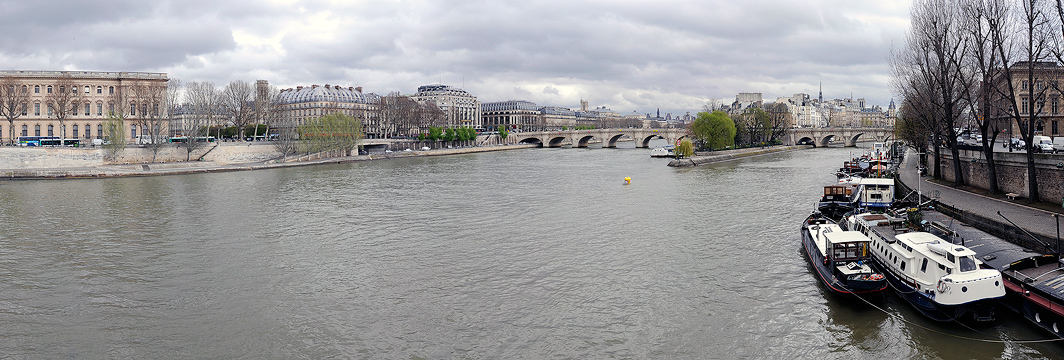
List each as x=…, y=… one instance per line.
x=1055, y=128
x=51, y=130
x=74, y=130
x=74, y=89
x=99, y=89
x=1055, y=106
x=49, y=109
x=1023, y=106
x=112, y=90
x=87, y=88
x=88, y=130
x=25, y=130
x=111, y=108
x=24, y=108
x=133, y=131
x=99, y=109
x=36, y=89
x=1023, y=85
x=132, y=109
x=86, y=109
x=99, y=131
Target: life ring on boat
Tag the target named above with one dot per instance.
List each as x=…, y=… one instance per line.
x=942, y=287
x=875, y=277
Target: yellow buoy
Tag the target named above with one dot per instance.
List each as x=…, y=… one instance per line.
x=627, y=180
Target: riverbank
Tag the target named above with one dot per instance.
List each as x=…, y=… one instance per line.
x=192, y=167
x=725, y=155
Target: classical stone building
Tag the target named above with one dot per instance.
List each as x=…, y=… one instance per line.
x=460, y=108
x=87, y=98
x=513, y=114
x=308, y=102
x=1043, y=99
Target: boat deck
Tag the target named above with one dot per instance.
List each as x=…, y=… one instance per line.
x=1035, y=270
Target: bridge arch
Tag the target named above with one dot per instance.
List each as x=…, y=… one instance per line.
x=806, y=140
x=531, y=140
x=582, y=140
x=556, y=141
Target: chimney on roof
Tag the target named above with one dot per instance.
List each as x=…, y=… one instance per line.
x=299, y=88
x=314, y=86
x=359, y=89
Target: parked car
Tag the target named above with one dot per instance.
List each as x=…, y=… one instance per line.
x=1044, y=144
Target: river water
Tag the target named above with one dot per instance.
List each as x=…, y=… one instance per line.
x=535, y=253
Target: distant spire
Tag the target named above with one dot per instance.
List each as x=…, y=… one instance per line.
x=821, y=97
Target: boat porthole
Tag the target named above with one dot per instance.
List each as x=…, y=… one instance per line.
x=996, y=284
x=1037, y=318
x=964, y=289
x=1055, y=328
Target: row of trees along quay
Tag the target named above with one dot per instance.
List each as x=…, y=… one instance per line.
x=187, y=115
x=716, y=130
x=987, y=65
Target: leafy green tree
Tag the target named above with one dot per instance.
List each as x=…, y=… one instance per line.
x=686, y=149
x=714, y=130
x=114, y=129
x=333, y=132
x=503, y=133
x=435, y=133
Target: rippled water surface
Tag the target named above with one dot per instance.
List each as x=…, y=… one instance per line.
x=537, y=253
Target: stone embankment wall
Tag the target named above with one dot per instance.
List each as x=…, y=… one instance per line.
x=66, y=157
x=725, y=155
x=1011, y=172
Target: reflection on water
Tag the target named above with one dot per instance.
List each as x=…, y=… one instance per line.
x=532, y=253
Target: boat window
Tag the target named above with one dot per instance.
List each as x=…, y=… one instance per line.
x=923, y=266
x=951, y=258
x=903, y=266
x=967, y=264
x=876, y=196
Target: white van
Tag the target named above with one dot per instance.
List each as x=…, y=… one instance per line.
x=1044, y=144
x=1058, y=143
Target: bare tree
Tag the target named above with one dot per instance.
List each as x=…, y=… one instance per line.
x=203, y=107
x=712, y=105
x=929, y=68
x=1025, y=104
x=780, y=120
x=237, y=103
x=172, y=103
x=986, y=24
x=152, y=121
x=14, y=98
x=287, y=140
x=62, y=100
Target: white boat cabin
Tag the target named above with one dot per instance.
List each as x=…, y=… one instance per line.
x=949, y=273
x=874, y=193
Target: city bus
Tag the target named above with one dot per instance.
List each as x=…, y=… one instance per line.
x=36, y=140
x=72, y=142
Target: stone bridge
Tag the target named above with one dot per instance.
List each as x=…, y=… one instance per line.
x=825, y=136
x=609, y=137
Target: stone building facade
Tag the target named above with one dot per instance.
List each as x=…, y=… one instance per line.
x=1042, y=98
x=302, y=103
x=460, y=108
x=513, y=114
x=89, y=97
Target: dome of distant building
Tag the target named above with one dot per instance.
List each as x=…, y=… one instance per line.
x=326, y=93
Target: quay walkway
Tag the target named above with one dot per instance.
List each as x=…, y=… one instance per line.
x=1037, y=219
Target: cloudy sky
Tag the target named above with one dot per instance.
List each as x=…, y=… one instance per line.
x=624, y=55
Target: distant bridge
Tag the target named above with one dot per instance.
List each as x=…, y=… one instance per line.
x=824, y=136
x=581, y=138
